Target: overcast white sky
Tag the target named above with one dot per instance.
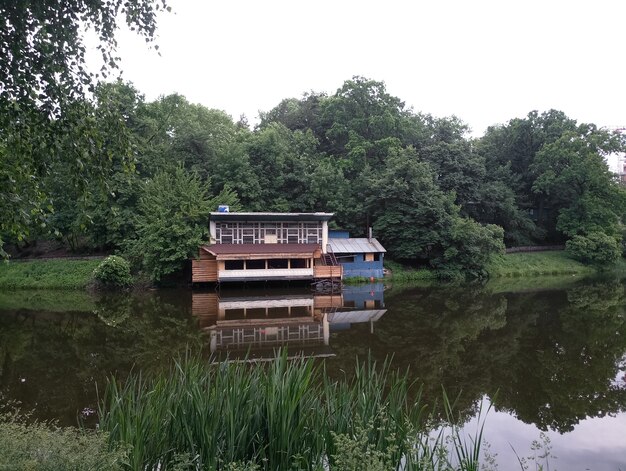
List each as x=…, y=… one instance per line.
x=485, y=61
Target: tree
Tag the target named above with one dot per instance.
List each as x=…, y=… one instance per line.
x=573, y=177
x=172, y=221
x=410, y=211
x=467, y=249
x=44, y=82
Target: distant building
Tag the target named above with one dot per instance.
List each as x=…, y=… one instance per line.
x=358, y=256
x=266, y=246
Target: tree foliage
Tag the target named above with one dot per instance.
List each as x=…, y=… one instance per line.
x=433, y=196
x=595, y=248
x=172, y=221
x=44, y=115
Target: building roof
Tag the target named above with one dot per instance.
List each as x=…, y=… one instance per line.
x=356, y=245
x=254, y=217
x=240, y=251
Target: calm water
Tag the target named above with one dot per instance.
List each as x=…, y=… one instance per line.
x=550, y=356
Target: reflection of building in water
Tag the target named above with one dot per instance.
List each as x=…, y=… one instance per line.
x=259, y=324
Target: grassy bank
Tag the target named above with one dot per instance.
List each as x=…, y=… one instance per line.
x=47, y=274
x=537, y=264
x=401, y=272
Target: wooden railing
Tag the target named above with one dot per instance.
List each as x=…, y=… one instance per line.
x=203, y=271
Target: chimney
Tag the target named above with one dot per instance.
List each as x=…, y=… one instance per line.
x=369, y=234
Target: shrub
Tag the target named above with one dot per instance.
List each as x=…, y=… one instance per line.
x=596, y=248
x=113, y=271
x=46, y=447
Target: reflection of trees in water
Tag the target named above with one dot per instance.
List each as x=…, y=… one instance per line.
x=430, y=331
x=551, y=355
x=570, y=358
x=53, y=360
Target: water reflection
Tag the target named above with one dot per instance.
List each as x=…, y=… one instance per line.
x=253, y=325
x=554, y=355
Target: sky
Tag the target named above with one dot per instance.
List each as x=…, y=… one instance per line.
x=484, y=61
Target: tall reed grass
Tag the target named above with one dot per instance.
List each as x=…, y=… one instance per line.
x=286, y=415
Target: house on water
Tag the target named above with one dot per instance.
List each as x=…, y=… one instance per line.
x=358, y=256
x=266, y=247
x=283, y=246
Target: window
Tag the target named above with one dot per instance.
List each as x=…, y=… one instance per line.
x=255, y=265
x=233, y=265
x=278, y=263
x=298, y=263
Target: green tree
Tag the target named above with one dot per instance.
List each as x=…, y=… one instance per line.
x=44, y=80
x=172, y=221
x=573, y=177
x=411, y=212
x=467, y=249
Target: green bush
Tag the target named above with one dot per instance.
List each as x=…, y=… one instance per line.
x=113, y=271
x=596, y=248
x=44, y=447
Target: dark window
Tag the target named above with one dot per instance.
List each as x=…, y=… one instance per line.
x=234, y=265
x=300, y=311
x=346, y=259
x=255, y=313
x=255, y=265
x=234, y=314
x=278, y=263
x=377, y=257
x=298, y=263
x=278, y=312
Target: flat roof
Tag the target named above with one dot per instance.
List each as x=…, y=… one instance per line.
x=356, y=245
x=253, y=217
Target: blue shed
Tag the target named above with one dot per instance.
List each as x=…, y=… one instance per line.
x=359, y=256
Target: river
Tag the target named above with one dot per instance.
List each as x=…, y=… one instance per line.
x=546, y=356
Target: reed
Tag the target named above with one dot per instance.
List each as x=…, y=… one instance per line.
x=284, y=415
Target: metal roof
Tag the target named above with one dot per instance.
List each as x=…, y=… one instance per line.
x=356, y=245
x=253, y=217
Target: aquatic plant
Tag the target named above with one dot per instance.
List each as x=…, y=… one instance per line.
x=287, y=414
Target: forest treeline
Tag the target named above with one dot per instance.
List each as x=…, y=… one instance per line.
x=94, y=164
x=434, y=196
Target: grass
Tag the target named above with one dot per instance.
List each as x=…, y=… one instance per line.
x=536, y=264
x=47, y=274
x=401, y=272
x=280, y=416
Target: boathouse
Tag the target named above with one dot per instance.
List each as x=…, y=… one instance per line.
x=266, y=247
x=358, y=256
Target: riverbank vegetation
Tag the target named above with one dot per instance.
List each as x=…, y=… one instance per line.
x=286, y=415
x=47, y=274
x=117, y=173
x=536, y=264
